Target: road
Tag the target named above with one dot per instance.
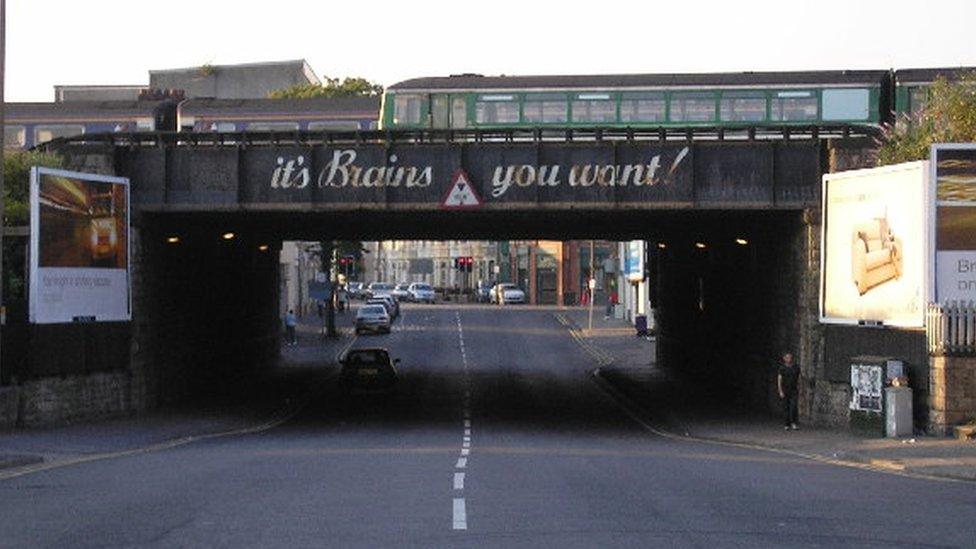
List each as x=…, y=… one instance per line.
x=498, y=437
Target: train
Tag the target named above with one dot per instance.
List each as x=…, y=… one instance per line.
x=472, y=101
x=728, y=100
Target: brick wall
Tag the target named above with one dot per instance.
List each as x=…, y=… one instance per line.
x=952, y=392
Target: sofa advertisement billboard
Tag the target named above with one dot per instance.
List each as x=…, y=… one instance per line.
x=874, y=263
x=79, y=247
x=954, y=173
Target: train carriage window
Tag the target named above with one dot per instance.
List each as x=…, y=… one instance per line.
x=642, y=107
x=496, y=109
x=272, y=126
x=692, y=107
x=14, y=136
x=743, y=106
x=545, y=108
x=594, y=107
x=846, y=104
x=407, y=109
x=333, y=125
x=917, y=97
x=43, y=134
x=790, y=106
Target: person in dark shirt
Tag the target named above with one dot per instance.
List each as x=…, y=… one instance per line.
x=787, y=381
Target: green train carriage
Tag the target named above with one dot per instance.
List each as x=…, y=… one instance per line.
x=654, y=100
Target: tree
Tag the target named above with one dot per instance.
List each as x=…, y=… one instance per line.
x=16, y=179
x=331, y=87
x=949, y=116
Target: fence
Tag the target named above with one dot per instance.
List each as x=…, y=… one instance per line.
x=950, y=328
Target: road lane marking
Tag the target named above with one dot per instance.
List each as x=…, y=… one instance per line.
x=465, y=451
x=461, y=463
x=459, y=481
x=460, y=515
x=467, y=432
x=467, y=423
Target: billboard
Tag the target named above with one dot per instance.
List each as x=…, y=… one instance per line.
x=953, y=171
x=79, y=247
x=874, y=250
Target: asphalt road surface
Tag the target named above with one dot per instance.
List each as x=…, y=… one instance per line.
x=497, y=437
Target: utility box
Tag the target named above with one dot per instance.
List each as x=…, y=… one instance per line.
x=898, y=412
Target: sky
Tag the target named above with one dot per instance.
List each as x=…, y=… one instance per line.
x=52, y=42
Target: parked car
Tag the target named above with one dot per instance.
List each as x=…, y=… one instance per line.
x=373, y=318
x=377, y=289
x=356, y=290
x=507, y=293
x=392, y=307
x=421, y=293
x=368, y=371
x=401, y=292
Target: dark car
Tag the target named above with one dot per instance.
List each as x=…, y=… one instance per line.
x=368, y=371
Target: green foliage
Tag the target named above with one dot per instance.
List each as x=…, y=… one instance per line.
x=331, y=87
x=949, y=116
x=16, y=179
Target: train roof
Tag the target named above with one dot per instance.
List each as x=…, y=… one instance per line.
x=923, y=76
x=31, y=111
x=476, y=81
x=369, y=105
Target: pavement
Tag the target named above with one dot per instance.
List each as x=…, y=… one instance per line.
x=259, y=404
x=626, y=367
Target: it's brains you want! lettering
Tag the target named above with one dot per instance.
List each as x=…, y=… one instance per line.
x=341, y=171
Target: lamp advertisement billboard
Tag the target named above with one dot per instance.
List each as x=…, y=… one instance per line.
x=954, y=173
x=874, y=260
x=79, y=247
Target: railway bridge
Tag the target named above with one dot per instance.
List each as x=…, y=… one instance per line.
x=209, y=212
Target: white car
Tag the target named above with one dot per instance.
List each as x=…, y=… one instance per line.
x=401, y=292
x=421, y=293
x=507, y=293
x=379, y=289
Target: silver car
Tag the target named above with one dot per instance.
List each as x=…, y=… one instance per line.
x=421, y=293
x=401, y=292
x=372, y=318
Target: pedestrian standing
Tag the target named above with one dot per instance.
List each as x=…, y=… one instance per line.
x=787, y=382
x=291, y=321
x=611, y=303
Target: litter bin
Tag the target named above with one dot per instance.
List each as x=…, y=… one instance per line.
x=640, y=324
x=898, y=412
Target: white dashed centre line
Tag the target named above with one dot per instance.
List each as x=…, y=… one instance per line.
x=460, y=508
x=460, y=515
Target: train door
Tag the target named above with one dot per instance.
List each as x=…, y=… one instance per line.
x=440, y=113
x=459, y=111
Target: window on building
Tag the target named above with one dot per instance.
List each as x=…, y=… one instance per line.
x=642, y=107
x=790, y=106
x=743, y=106
x=408, y=109
x=272, y=126
x=496, y=109
x=846, y=104
x=43, y=134
x=692, y=107
x=333, y=125
x=594, y=107
x=544, y=108
x=14, y=136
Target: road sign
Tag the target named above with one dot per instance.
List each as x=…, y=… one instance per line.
x=461, y=193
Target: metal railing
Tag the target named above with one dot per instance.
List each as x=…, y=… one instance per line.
x=950, y=328
x=507, y=135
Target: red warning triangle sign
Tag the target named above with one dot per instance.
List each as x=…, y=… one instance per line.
x=461, y=193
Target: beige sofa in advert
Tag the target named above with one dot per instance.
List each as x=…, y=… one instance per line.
x=876, y=255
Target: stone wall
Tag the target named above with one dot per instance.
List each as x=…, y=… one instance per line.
x=952, y=392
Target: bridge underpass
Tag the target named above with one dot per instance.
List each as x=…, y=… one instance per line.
x=206, y=308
